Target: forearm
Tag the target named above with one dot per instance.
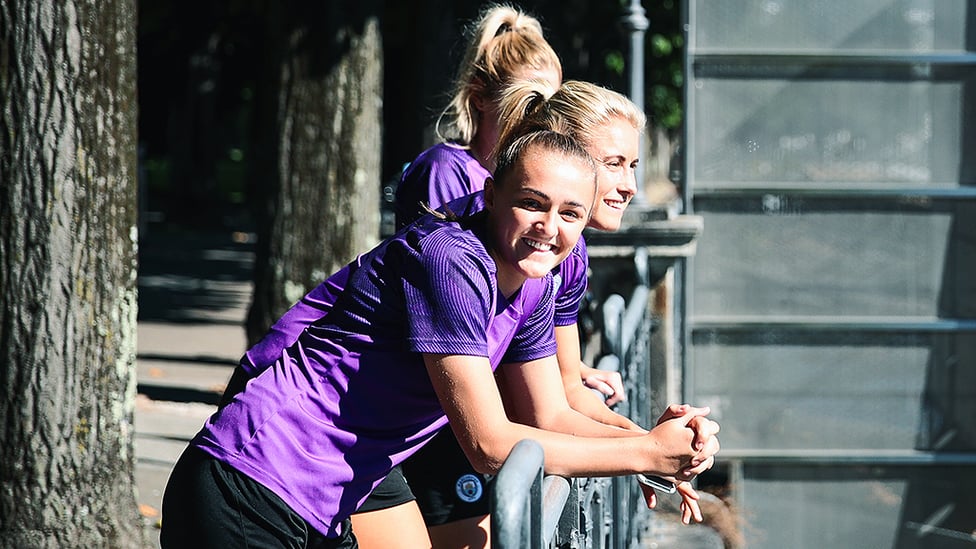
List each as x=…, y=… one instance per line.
x=580, y=397
x=574, y=444
x=586, y=402
x=578, y=455
x=574, y=422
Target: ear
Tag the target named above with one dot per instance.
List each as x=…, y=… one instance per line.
x=489, y=194
x=479, y=97
x=481, y=102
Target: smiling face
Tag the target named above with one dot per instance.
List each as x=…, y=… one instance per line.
x=538, y=214
x=615, y=147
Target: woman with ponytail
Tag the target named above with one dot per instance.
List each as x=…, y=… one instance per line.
x=508, y=85
x=505, y=46
x=450, y=493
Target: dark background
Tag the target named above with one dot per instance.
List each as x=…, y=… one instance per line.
x=196, y=85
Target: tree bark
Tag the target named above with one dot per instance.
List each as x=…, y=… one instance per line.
x=319, y=197
x=67, y=274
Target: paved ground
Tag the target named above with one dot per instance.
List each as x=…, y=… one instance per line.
x=194, y=289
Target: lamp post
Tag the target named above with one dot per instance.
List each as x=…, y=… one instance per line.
x=636, y=23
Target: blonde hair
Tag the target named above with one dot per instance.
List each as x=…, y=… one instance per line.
x=502, y=42
x=577, y=109
x=514, y=151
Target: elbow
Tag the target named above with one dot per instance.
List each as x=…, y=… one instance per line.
x=488, y=466
x=487, y=458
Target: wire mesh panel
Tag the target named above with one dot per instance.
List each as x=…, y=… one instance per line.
x=748, y=128
x=782, y=26
x=858, y=506
x=836, y=389
x=830, y=317
x=781, y=254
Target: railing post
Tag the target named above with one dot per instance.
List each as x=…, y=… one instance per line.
x=570, y=531
x=516, y=513
x=555, y=501
x=526, y=506
x=636, y=23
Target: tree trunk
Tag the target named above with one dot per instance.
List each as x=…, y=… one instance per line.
x=321, y=188
x=67, y=274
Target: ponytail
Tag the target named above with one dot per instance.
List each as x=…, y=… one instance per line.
x=503, y=42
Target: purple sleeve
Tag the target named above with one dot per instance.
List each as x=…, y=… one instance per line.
x=449, y=290
x=466, y=205
x=313, y=306
x=536, y=337
x=572, y=284
x=439, y=175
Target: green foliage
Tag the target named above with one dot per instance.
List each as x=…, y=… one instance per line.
x=660, y=45
x=663, y=58
x=664, y=69
x=665, y=104
x=615, y=63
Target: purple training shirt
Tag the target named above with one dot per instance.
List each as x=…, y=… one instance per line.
x=351, y=398
x=447, y=176
x=437, y=176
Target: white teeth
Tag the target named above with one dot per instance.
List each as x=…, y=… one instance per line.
x=541, y=246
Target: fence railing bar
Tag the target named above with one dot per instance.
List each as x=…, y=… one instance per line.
x=534, y=510
x=516, y=499
x=634, y=316
x=555, y=494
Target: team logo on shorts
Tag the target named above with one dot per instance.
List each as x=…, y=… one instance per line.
x=468, y=488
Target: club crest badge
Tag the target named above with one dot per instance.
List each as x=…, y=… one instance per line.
x=468, y=488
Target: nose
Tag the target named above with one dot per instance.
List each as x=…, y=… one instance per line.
x=545, y=223
x=629, y=187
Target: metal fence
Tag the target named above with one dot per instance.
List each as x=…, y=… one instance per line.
x=533, y=510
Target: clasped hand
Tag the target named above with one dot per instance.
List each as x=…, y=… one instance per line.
x=690, y=443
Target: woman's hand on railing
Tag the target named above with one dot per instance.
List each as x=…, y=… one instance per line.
x=672, y=433
x=606, y=382
x=705, y=429
x=705, y=441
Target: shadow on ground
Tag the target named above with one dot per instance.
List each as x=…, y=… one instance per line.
x=192, y=276
x=179, y=394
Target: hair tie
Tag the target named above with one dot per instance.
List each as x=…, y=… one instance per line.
x=505, y=27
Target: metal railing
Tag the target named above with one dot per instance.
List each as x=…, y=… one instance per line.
x=526, y=505
x=533, y=510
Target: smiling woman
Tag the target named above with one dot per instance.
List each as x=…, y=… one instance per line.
x=292, y=455
x=538, y=217
x=549, y=200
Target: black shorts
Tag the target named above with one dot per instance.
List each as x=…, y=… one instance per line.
x=391, y=492
x=207, y=503
x=445, y=484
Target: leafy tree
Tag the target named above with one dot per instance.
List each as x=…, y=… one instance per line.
x=67, y=274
